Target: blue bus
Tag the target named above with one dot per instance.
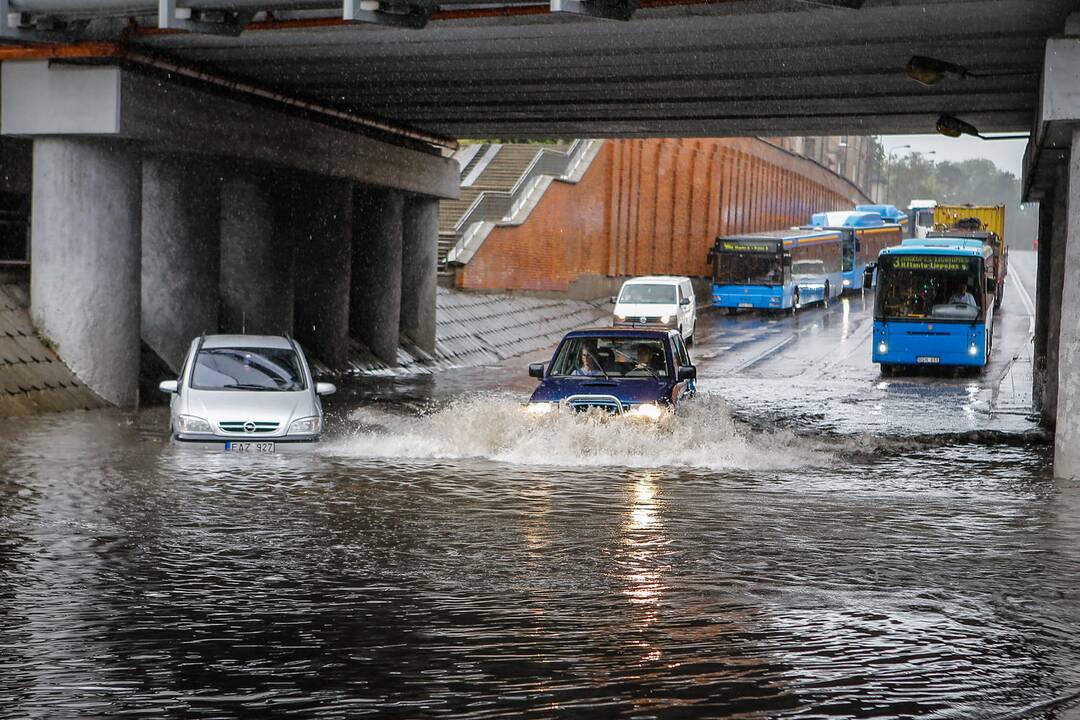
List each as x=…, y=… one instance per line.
x=935, y=303
x=777, y=270
x=865, y=235
x=888, y=213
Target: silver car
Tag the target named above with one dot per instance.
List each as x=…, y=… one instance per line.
x=246, y=393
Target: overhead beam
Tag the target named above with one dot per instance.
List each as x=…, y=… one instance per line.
x=621, y=10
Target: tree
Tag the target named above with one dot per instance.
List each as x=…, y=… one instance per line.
x=979, y=182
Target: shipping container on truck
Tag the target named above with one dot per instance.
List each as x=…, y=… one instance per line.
x=986, y=222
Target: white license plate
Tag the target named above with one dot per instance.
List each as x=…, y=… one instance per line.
x=749, y=305
x=249, y=447
x=925, y=360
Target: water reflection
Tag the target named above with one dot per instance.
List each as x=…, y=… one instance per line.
x=756, y=580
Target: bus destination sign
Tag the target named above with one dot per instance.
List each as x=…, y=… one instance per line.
x=760, y=246
x=935, y=263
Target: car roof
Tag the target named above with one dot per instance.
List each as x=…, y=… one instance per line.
x=619, y=332
x=657, y=279
x=246, y=341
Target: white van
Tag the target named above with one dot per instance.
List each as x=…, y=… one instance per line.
x=661, y=301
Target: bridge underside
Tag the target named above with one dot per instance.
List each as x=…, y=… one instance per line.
x=514, y=69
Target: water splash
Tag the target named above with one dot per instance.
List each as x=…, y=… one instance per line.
x=496, y=427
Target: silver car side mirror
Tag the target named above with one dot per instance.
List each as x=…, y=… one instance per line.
x=169, y=386
x=325, y=388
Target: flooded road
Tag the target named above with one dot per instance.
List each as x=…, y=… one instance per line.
x=807, y=540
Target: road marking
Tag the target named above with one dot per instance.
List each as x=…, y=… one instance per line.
x=1025, y=297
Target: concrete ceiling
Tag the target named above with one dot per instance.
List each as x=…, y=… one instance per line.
x=727, y=67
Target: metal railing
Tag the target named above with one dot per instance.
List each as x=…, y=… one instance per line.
x=496, y=206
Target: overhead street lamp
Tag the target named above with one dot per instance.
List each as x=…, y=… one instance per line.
x=889, y=173
x=930, y=71
x=954, y=127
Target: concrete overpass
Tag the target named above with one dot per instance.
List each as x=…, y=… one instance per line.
x=306, y=115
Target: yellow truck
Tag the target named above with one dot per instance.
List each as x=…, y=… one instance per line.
x=986, y=222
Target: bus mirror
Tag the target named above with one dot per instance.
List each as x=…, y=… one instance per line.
x=991, y=285
x=787, y=261
x=858, y=245
x=868, y=276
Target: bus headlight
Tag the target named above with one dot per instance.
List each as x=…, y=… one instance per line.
x=883, y=347
x=973, y=350
x=847, y=282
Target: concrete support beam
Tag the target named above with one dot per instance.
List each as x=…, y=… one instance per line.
x=419, y=270
x=1067, y=432
x=1042, y=303
x=377, y=271
x=1059, y=236
x=86, y=257
x=180, y=254
x=322, y=227
x=256, y=259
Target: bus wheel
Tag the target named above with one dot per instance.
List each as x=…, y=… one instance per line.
x=827, y=295
x=732, y=311
x=794, y=301
x=886, y=370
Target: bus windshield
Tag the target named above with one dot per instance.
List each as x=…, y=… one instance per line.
x=929, y=287
x=748, y=269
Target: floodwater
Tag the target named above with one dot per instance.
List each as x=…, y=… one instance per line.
x=805, y=540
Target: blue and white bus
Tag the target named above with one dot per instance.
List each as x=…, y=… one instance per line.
x=865, y=235
x=778, y=270
x=888, y=213
x=935, y=303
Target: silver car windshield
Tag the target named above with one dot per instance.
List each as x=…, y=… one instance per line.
x=247, y=369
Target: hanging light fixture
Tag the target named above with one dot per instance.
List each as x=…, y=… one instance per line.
x=952, y=126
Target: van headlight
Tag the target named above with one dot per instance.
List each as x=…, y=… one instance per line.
x=192, y=424
x=539, y=408
x=620, y=318
x=649, y=411
x=306, y=426
x=664, y=319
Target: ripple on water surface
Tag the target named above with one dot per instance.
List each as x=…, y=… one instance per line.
x=477, y=562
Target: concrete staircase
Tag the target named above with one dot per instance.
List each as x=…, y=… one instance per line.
x=500, y=174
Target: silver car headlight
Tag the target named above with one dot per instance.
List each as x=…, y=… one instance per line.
x=192, y=424
x=306, y=426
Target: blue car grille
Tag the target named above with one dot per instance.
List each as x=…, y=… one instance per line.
x=254, y=427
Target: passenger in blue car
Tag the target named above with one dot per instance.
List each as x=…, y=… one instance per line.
x=587, y=364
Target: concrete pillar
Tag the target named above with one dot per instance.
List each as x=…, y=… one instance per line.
x=1042, y=303
x=180, y=254
x=256, y=258
x=1067, y=432
x=1059, y=236
x=322, y=226
x=419, y=270
x=84, y=288
x=377, y=271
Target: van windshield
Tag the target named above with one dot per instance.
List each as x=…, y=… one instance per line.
x=247, y=369
x=648, y=294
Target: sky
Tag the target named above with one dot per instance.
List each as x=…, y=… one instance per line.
x=1006, y=154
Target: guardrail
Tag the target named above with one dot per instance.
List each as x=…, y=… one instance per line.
x=493, y=207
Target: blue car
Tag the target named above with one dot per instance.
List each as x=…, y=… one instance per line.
x=633, y=372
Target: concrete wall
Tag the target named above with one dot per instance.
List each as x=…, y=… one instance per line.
x=654, y=206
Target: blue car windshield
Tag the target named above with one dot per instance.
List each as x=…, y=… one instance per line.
x=612, y=357
x=247, y=369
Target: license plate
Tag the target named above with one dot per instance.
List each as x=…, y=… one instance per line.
x=928, y=360
x=749, y=305
x=249, y=447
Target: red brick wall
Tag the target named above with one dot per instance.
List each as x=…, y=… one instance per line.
x=654, y=206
